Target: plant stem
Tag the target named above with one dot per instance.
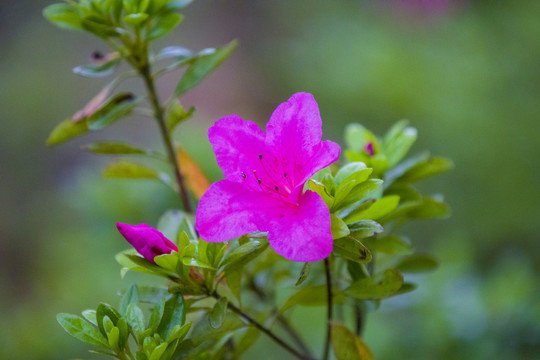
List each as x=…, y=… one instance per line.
x=330, y=302
x=359, y=314
x=160, y=117
x=265, y=330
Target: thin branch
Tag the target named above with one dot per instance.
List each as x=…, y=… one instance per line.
x=265, y=330
x=326, y=351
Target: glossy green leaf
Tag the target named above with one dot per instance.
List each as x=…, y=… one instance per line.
x=164, y=25
x=67, y=130
x=202, y=331
x=203, y=66
x=380, y=286
x=135, y=19
x=234, y=281
x=430, y=208
x=63, y=16
x=90, y=315
x=158, y=351
x=130, y=297
x=177, y=114
x=357, y=137
x=217, y=315
x=116, y=108
x=348, y=346
x=430, y=167
x=304, y=273
x=320, y=189
x=338, y=228
x=168, y=261
x=188, y=261
x=348, y=170
x=407, y=288
x=344, y=189
x=129, y=169
x=376, y=211
x=177, y=52
x=352, y=249
x=82, y=330
x=152, y=294
x=391, y=244
x=135, y=318
x=243, y=254
x=93, y=25
x=394, y=173
x=417, y=264
x=179, y=332
x=114, y=338
x=106, y=311
x=113, y=148
x=360, y=192
x=364, y=229
x=174, y=313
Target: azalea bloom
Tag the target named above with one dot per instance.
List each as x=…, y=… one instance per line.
x=264, y=181
x=148, y=242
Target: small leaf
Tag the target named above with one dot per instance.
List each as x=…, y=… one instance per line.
x=433, y=166
x=380, y=286
x=243, y=254
x=113, y=148
x=164, y=25
x=106, y=311
x=203, y=66
x=173, y=314
x=93, y=25
x=398, y=141
x=249, y=338
x=97, y=70
x=364, y=229
x=304, y=273
x=177, y=114
x=348, y=346
x=135, y=318
x=128, y=169
x=135, y=19
x=116, y=108
x=203, y=331
x=338, y=228
x=158, y=351
x=348, y=170
x=90, y=315
x=357, y=136
x=174, y=52
x=82, y=330
x=179, y=332
x=376, y=211
x=217, y=315
x=195, y=178
x=352, y=249
x=320, y=189
x=360, y=192
x=63, y=16
x=114, y=338
x=417, y=264
x=66, y=130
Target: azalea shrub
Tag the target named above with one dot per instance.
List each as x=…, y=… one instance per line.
x=292, y=210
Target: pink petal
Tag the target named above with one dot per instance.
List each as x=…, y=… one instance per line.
x=294, y=138
x=302, y=234
x=148, y=242
x=237, y=145
x=229, y=209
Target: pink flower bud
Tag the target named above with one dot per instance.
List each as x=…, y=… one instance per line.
x=148, y=241
x=369, y=149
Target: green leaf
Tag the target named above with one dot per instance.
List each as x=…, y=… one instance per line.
x=93, y=25
x=407, y=288
x=152, y=294
x=203, y=331
x=313, y=295
x=357, y=137
x=164, y=25
x=380, y=286
x=97, y=70
x=234, y=281
x=364, y=229
x=348, y=346
x=360, y=192
x=106, y=311
x=352, y=249
x=90, y=315
x=178, y=52
x=391, y=175
x=135, y=19
x=158, y=351
x=217, y=315
x=398, y=141
x=430, y=208
x=67, y=130
x=179, y=332
x=114, y=338
x=188, y=261
x=243, y=254
x=113, y=148
x=348, y=184
x=116, y=108
x=338, y=228
x=391, y=244
x=417, y=264
x=376, y=211
x=174, y=313
x=135, y=318
x=432, y=166
x=130, y=297
x=348, y=170
x=82, y=330
x=128, y=169
x=304, y=273
x=177, y=114
x=155, y=316
x=249, y=338
x=323, y=192
x=203, y=66
x=168, y=261
x=63, y=16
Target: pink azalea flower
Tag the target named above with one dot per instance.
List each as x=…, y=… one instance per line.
x=148, y=241
x=264, y=181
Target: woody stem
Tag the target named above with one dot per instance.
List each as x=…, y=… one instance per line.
x=326, y=351
x=166, y=135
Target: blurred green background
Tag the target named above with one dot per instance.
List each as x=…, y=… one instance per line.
x=467, y=75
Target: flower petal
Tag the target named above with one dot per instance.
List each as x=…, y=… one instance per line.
x=237, y=144
x=294, y=135
x=302, y=234
x=229, y=209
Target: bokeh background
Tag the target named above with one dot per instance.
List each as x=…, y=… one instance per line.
x=467, y=75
